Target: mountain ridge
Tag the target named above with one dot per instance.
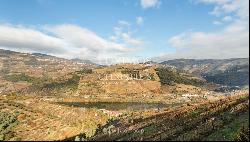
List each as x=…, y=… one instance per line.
x=231, y=72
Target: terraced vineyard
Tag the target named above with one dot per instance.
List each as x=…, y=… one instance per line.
x=49, y=98
x=191, y=122
x=41, y=120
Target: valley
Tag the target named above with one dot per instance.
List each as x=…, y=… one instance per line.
x=43, y=97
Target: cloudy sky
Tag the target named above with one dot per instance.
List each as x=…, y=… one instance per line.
x=101, y=29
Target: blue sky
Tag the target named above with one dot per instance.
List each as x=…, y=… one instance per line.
x=130, y=28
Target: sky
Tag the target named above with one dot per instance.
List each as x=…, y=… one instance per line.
x=98, y=30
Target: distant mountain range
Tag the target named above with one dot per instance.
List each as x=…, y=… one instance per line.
x=230, y=72
x=83, y=61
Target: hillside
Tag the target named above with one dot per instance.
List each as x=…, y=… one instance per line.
x=48, y=98
x=80, y=61
x=231, y=72
x=221, y=119
x=20, y=70
x=40, y=73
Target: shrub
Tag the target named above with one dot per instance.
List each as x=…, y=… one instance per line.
x=24, y=77
x=70, y=83
x=169, y=77
x=85, y=71
x=19, y=77
x=7, y=122
x=243, y=135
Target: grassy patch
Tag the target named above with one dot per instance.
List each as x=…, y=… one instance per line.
x=24, y=77
x=70, y=83
x=169, y=77
x=198, y=111
x=229, y=132
x=85, y=71
x=149, y=129
x=7, y=122
x=19, y=77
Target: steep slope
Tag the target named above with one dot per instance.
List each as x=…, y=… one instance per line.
x=231, y=72
x=20, y=70
x=120, y=79
x=186, y=123
x=138, y=79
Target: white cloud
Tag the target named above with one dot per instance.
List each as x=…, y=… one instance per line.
x=139, y=20
x=145, y=4
x=227, y=19
x=128, y=39
x=238, y=7
x=123, y=23
x=230, y=39
x=113, y=38
x=83, y=38
x=23, y=38
x=123, y=33
x=217, y=23
x=229, y=42
x=223, y=20
x=66, y=40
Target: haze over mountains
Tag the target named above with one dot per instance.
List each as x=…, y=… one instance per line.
x=231, y=72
